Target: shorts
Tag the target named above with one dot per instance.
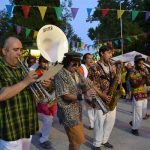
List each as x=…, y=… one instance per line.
x=76, y=134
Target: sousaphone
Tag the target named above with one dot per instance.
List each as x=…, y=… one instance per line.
x=52, y=43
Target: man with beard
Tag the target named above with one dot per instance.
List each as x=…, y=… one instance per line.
x=102, y=75
x=138, y=79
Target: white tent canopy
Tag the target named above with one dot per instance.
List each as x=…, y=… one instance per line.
x=129, y=57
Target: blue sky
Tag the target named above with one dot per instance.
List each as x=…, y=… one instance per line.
x=79, y=24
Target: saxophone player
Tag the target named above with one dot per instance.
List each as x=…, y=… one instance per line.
x=102, y=77
x=138, y=79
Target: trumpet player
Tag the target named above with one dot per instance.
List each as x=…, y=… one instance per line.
x=102, y=75
x=18, y=115
x=138, y=79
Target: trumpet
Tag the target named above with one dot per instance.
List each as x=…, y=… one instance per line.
x=37, y=89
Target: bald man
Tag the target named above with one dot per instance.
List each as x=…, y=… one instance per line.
x=18, y=116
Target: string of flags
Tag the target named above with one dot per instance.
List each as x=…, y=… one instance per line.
x=78, y=46
x=59, y=10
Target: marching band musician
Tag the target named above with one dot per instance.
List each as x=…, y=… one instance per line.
x=87, y=62
x=69, y=93
x=102, y=75
x=18, y=115
x=46, y=111
x=138, y=78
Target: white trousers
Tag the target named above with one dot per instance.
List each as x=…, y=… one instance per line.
x=90, y=112
x=103, y=126
x=21, y=144
x=139, y=111
x=46, y=127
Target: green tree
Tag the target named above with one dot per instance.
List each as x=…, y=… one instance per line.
x=109, y=26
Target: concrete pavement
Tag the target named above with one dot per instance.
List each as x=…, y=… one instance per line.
x=121, y=137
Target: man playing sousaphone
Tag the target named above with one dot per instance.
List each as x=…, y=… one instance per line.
x=103, y=76
x=46, y=110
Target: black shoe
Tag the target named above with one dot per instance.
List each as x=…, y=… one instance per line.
x=135, y=132
x=96, y=148
x=90, y=128
x=46, y=145
x=146, y=117
x=108, y=145
x=130, y=123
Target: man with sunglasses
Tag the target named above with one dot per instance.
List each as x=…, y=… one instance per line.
x=68, y=85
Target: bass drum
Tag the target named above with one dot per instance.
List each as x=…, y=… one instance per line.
x=52, y=43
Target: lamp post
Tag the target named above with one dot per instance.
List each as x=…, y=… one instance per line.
x=121, y=36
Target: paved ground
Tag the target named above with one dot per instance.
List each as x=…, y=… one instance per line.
x=121, y=137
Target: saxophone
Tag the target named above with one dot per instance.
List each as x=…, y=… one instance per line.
x=116, y=89
x=97, y=102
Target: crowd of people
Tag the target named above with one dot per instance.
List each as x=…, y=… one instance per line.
x=81, y=82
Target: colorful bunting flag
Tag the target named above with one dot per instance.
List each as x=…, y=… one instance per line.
x=27, y=31
x=58, y=11
x=18, y=29
x=35, y=34
x=26, y=10
x=42, y=10
x=134, y=14
x=74, y=12
x=135, y=37
x=104, y=11
x=120, y=13
x=89, y=10
x=147, y=16
x=129, y=39
x=9, y=9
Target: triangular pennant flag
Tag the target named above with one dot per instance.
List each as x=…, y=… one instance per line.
x=58, y=11
x=135, y=37
x=129, y=39
x=116, y=42
x=42, y=10
x=134, y=14
x=9, y=9
x=35, y=34
x=147, y=16
x=120, y=13
x=18, y=29
x=85, y=46
x=89, y=10
x=26, y=10
x=28, y=32
x=74, y=12
x=104, y=11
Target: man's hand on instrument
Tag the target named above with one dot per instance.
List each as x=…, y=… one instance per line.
x=30, y=78
x=46, y=83
x=91, y=93
x=106, y=98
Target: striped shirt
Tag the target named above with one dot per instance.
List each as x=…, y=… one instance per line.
x=18, y=115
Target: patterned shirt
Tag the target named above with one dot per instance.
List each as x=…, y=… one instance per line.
x=18, y=115
x=69, y=113
x=101, y=78
x=140, y=90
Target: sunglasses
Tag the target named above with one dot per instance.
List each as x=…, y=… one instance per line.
x=75, y=65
